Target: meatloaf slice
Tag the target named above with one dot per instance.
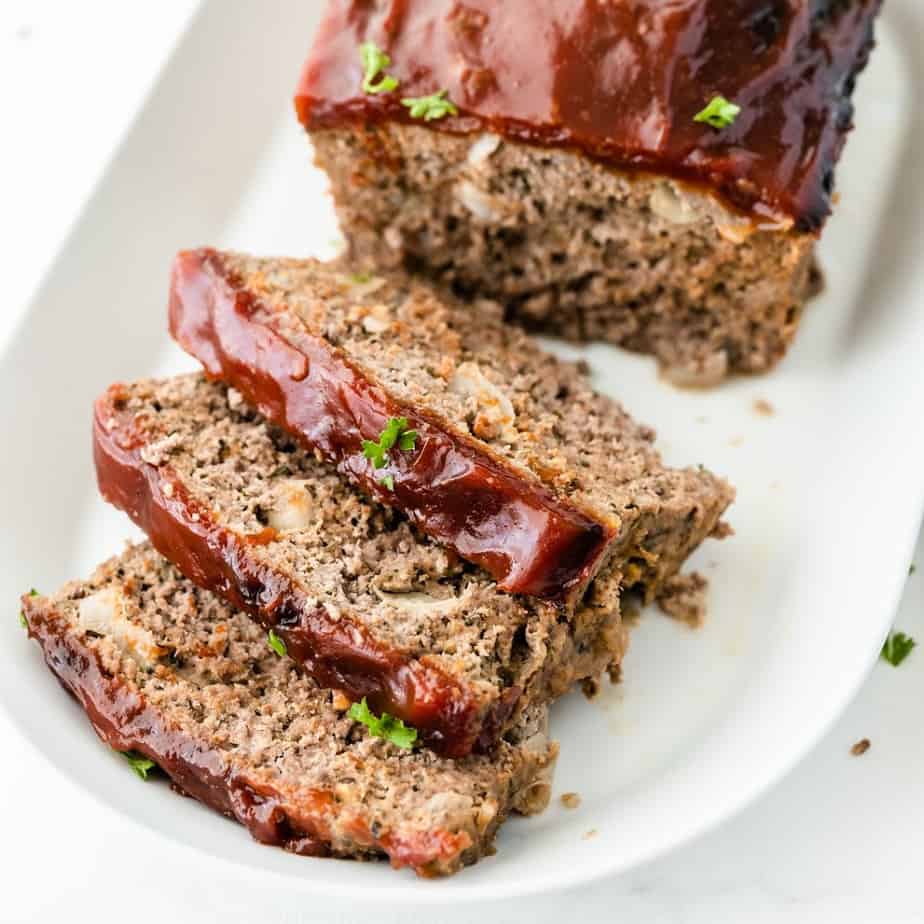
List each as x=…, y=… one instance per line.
x=517, y=465
x=578, y=178
x=358, y=597
x=171, y=672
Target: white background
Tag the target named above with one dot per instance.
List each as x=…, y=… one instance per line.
x=839, y=840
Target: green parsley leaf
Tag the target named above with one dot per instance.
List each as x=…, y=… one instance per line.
x=897, y=647
x=374, y=62
x=430, y=107
x=395, y=431
x=360, y=279
x=374, y=453
x=276, y=643
x=386, y=726
x=389, y=482
x=33, y=592
x=720, y=113
x=139, y=764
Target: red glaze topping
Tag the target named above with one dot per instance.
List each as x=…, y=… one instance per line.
x=621, y=80
x=529, y=540
x=126, y=722
x=338, y=653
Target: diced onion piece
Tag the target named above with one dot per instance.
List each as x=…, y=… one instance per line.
x=419, y=604
x=495, y=412
x=103, y=613
x=483, y=206
x=292, y=508
x=480, y=152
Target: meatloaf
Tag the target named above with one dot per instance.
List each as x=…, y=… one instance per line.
x=652, y=174
x=169, y=671
x=350, y=590
x=511, y=459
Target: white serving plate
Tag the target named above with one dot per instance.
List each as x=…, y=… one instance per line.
x=831, y=486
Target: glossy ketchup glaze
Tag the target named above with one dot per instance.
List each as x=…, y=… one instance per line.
x=339, y=653
x=528, y=539
x=622, y=81
x=123, y=719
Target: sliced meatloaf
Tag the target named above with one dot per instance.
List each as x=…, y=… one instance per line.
x=171, y=672
x=653, y=174
x=513, y=461
x=364, y=602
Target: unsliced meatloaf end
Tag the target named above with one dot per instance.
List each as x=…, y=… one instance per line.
x=518, y=465
x=171, y=672
x=573, y=247
x=576, y=185
x=361, y=600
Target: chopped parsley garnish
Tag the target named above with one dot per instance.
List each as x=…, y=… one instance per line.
x=374, y=62
x=276, y=643
x=385, y=726
x=396, y=432
x=720, y=113
x=897, y=647
x=430, y=107
x=389, y=482
x=360, y=279
x=139, y=764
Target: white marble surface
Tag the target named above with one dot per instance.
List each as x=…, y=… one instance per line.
x=839, y=840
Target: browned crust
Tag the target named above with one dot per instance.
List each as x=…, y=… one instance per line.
x=531, y=541
x=126, y=722
x=341, y=653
